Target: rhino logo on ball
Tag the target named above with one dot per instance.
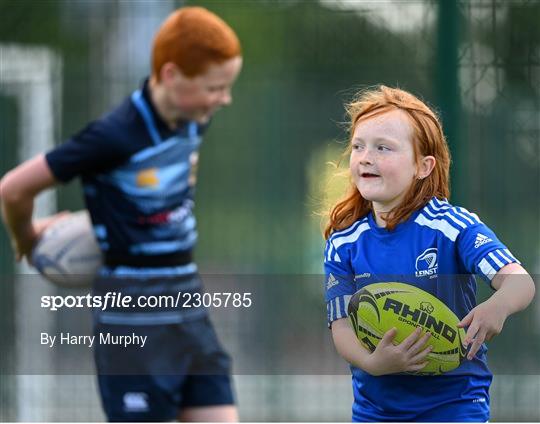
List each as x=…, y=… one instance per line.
x=427, y=307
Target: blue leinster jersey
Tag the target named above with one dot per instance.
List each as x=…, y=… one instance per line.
x=438, y=249
x=138, y=182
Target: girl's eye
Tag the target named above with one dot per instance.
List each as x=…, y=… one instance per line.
x=383, y=148
x=357, y=147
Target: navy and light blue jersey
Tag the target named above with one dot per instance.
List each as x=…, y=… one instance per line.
x=438, y=249
x=137, y=176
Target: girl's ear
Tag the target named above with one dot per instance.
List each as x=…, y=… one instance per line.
x=425, y=166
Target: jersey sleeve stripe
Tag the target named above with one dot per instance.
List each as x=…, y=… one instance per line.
x=337, y=308
x=328, y=315
x=460, y=218
x=453, y=220
x=487, y=269
x=506, y=254
x=463, y=213
x=496, y=260
x=443, y=212
x=437, y=206
x=465, y=217
x=346, y=300
x=438, y=224
x=331, y=248
x=349, y=229
x=351, y=238
x=341, y=310
x=505, y=259
x=439, y=201
x=472, y=216
x=446, y=214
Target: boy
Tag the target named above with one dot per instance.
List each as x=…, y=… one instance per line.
x=137, y=167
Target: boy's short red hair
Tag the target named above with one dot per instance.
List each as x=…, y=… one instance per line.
x=193, y=38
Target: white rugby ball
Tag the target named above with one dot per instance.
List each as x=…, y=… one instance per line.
x=67, y=254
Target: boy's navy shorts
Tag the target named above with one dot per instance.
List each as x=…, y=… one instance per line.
x=180, y=365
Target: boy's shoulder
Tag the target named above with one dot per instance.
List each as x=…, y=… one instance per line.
x=121, y=119
x=121, y=129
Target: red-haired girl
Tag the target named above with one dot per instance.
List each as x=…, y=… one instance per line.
x=396, y=224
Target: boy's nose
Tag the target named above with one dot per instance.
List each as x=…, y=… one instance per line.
x=226, y=98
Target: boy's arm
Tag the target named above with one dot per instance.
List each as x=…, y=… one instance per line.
x=17, y=191
x=515, y=290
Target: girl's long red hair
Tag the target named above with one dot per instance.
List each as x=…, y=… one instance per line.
x=428, y=140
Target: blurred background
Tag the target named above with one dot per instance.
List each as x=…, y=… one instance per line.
x=264, y=173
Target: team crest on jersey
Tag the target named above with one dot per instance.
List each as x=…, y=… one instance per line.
x=427, y=264
x=147, y=178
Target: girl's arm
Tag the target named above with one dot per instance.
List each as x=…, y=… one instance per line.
x=515, y=290
x=409, y=355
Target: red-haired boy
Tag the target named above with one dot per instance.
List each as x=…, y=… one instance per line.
x=137, y=167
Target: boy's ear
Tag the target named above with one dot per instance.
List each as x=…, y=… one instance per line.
x=168, y=72
x=425, y=167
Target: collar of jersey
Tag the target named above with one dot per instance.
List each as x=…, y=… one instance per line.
x=161, y=126
x=386, y=233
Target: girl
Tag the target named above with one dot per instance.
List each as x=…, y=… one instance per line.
x=395, y=224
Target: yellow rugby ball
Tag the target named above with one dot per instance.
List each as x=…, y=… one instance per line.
x=378, y=307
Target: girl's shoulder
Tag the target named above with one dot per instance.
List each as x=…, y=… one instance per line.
x=335, y=243
x=349, y=234
x=451, y=220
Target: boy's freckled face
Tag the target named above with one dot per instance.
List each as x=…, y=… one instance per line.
x=198, y=98
x=382, y=162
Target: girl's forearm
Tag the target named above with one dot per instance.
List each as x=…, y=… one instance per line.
x=515, y=289
x=348, y=346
